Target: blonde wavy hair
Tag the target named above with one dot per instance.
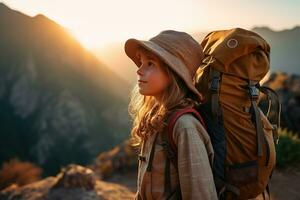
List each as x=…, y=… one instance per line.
x=148, y=115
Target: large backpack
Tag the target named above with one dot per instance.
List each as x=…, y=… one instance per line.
x=235, y=62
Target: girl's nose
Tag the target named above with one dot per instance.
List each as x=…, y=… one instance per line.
x=139, y=71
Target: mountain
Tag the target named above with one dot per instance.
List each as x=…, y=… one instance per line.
x=285, y=48
x=58, y=103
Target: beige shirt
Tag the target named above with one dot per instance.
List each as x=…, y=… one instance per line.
x=195, y=158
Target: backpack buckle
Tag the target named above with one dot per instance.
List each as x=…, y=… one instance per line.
x=141, y=157
x=214, y=86
x=253, y=91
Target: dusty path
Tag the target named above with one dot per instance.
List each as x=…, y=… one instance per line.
x=127, y=179
x=285, y=185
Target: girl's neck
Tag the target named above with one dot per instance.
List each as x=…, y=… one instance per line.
x=158, y=98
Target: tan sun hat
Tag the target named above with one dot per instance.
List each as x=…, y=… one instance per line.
x=179, y=50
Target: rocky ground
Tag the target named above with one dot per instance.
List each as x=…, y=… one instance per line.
x=73, y=183
x=80, y=183
x=284, y=184
x=113, y=176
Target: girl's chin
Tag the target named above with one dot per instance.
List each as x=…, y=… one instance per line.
x=144, y=92
x=141, y=91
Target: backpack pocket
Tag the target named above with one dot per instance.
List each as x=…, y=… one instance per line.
x=243, y=173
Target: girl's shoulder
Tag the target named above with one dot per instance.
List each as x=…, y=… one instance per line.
x=187, y=120
x=189, y=124
x=188, y=127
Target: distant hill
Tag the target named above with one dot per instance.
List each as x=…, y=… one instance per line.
x=58, y=103
x=285, y=48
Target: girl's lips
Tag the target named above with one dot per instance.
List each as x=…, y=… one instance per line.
x=140, y=81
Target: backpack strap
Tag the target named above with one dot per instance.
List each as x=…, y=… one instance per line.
x=215, y=92
x=254, y=93
x=149, y=166
x=174, y=118
x=273, y=97
x=170, y=147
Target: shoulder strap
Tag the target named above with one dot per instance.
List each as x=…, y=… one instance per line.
x=215, y=93
x=167, y=140
x=174, y=118
x=169, y=145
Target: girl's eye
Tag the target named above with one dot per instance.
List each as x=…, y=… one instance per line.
x=150, y=63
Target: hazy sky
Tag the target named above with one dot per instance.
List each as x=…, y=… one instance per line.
x=99, y=22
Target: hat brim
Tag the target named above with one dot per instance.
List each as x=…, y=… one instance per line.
x=132, y=45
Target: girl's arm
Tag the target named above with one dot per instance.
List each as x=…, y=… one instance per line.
x=194, y=170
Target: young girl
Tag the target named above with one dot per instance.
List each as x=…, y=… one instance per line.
x=166, y=67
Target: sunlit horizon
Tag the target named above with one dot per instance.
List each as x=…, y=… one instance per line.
x=99, y=23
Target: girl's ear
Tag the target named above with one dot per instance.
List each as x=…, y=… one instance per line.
x=168, y=72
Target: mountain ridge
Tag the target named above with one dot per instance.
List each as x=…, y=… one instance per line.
x=59, y=103
x=282, y=59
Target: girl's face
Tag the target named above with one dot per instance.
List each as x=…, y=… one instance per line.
x=152, y=79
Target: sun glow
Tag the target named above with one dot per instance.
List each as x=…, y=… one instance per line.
x=97, y=22
x=100, y=22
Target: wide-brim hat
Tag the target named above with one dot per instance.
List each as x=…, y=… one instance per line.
x=179, y=50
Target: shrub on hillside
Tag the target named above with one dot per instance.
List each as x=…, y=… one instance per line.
x=288, y=149
x=18, y=172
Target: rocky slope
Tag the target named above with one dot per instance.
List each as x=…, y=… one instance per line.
x=73, y=183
